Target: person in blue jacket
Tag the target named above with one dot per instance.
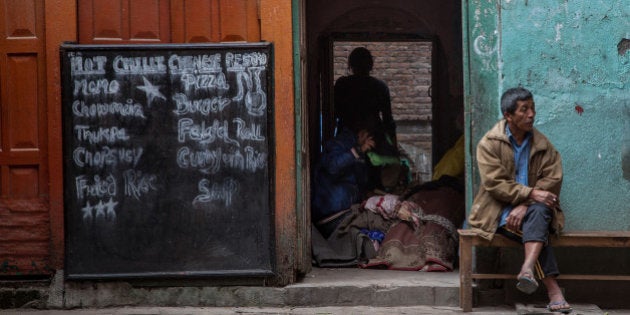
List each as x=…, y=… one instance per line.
x=341, y=177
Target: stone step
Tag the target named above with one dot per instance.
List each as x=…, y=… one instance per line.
x=330, y=288
x=354, y=286
x=321, y=287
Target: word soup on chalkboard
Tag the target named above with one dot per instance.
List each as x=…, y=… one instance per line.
x=168, y=160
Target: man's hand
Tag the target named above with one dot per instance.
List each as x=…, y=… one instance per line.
x=366, y=142
x=548, y=198
x=515, y=218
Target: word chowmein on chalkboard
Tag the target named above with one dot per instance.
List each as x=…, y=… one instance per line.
x=168, y=160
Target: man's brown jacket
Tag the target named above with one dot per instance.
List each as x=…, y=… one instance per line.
x=498, y=187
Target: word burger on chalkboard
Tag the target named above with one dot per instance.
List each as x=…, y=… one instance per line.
x=168, y=160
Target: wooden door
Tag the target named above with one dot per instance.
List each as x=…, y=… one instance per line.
x=25, y=234
x=167, y=21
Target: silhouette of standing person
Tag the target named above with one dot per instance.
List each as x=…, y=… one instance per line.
x=363, y=102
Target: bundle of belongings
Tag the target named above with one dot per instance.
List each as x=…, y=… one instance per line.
x=416, y=230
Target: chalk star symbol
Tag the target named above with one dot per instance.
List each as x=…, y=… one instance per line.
x=100, y=210
x=111, y=212
x=87, y=211
x=151, y=90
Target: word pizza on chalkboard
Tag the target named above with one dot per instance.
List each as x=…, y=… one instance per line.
x=168, y=160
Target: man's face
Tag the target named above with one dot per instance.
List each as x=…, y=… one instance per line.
x=522, y=120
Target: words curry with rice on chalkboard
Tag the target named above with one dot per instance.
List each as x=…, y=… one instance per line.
x=168, y=160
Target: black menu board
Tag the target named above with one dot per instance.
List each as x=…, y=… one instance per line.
x=168, y=160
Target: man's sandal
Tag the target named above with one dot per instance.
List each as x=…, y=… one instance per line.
x=561, y=306
x=526, y=283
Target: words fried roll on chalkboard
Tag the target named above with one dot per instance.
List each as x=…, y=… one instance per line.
x=168, y=160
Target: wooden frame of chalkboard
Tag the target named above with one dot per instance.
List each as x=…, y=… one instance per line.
x=168, y=160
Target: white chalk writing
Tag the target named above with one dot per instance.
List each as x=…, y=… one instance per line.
x=207, y=161
x=136, y=183
x=255, y=159
x=80, y=109
x=87, y=65
x=201, y=64
x=211, y=161
x=110, y=135
x=234, y=160
x=103, y=211
x=204, y=90
x=188, y=129
x=210, y=192
x=95, y=87
x=242, y=61
x=139, y=65
x=204, y=106
x=247, y=133
x=204, y=81
x=96, y=186
x=106, y=156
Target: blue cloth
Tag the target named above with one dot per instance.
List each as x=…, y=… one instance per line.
x=340, y=179
x=374, y=234
x=521, y=162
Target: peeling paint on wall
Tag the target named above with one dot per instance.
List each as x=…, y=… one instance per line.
x=623, y=46
x=625, y=147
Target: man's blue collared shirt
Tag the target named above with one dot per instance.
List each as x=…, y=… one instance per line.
x=521, y=160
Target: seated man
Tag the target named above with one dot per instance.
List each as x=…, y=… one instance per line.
x=341, y=177
x=521, y=177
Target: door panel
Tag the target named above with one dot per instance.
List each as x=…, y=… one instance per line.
x=164, y=21
x=193, y=21
x=23, y=107
x=24, y=216
x=124, y=21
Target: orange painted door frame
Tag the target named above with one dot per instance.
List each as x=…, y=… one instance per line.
x=60, y=25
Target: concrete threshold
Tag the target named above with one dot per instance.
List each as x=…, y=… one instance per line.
x=355, y=286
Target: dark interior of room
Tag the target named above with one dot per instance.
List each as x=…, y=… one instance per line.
x=333, y=27
x=437, y=22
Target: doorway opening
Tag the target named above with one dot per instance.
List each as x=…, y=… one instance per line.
x=417, y=49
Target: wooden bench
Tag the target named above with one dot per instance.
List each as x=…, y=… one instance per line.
x=468, y=239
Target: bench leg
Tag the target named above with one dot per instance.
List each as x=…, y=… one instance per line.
x=465, y=273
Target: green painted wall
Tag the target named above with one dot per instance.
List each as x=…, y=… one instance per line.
x=573, y=55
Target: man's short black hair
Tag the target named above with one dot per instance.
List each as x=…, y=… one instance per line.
x=360, y=60
x=511, y=96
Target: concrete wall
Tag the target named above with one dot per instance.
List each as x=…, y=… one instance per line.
x=575, y=57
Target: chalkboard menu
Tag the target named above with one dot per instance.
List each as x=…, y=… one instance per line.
x=168, y=160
